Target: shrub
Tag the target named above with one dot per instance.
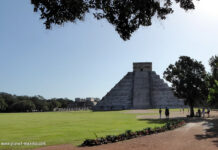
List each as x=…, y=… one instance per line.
x=129, y=134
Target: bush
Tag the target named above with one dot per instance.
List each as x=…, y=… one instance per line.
x=129, y=134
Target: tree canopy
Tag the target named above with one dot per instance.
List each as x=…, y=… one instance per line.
x=3, y=104
x=125, y=15
x=213, y=95
x=213, y=82
x=188, y=81
x=213, y=62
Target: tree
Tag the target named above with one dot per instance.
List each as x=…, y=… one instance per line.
x=125, y=15
x=3, y=105
x=53, y=103
x=41, y=105
x=9, y=99
x=213, y=95
x=188, y=81
x=213, y=62
x=213, y=82
x=65, y=102
x=24, y=106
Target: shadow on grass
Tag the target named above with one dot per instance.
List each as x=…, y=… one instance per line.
x=161, y=120
x=155, y=121
x=187, y=120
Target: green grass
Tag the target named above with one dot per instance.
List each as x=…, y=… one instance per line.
x=66, y=127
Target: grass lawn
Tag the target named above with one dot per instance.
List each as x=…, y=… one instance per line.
x=66, y=127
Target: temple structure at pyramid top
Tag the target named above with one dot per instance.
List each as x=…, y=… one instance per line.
x=140, y=89
x=143, y=66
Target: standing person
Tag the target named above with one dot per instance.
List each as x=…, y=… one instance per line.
x=167, y=113
x=160, y=111
x=208, y=112
x=203, y=112
x=199, y=112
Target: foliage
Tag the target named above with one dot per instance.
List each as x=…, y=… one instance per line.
x=125, y=16
x=23, y=106
x=3, y=105
x=213, y=95
x=213, y=62
x=188, y=78
x=129, y=134
x=54, y=104
x=212, y=82
x=41, y=105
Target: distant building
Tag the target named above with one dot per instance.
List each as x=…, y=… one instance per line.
x=89, y=100
x=77, y=99
x=97, y=99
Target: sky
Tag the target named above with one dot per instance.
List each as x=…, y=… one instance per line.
x=88, y=58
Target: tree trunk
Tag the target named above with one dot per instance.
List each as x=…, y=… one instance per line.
x=192, y=113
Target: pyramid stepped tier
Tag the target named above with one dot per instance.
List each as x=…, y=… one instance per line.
x=140, y=89
x=119, y=97
x=162, y=94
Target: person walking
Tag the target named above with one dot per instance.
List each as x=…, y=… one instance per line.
x=160, y=111
x=167, y=113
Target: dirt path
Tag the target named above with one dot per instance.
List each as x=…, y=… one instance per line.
x=195, y=135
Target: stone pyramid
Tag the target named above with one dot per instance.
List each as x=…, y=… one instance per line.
x=140, y=89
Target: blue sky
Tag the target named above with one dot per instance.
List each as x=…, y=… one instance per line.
x=88, y=58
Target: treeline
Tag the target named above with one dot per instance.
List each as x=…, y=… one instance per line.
x=14, y=103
